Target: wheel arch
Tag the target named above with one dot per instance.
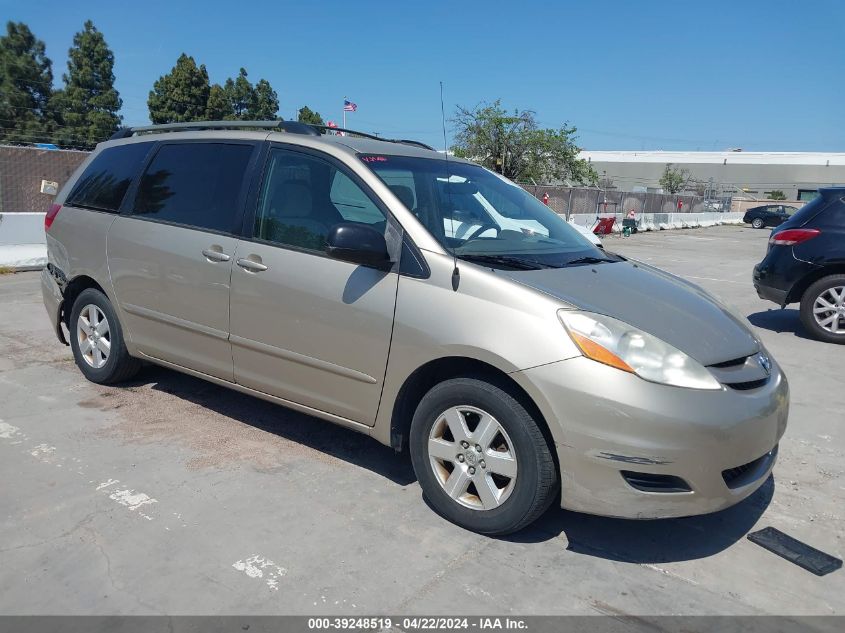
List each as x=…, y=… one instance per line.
x=419, y=382
x=73, y=289
x=800, y=287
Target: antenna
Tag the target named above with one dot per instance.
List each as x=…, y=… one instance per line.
x=456, y=274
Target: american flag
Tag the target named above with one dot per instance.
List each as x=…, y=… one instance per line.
x=348, y=106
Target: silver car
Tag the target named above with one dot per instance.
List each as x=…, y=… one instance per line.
x=420, y=299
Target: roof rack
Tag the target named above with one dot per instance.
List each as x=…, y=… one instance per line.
x=293, y=127
x=286, y=126
x=326, y=129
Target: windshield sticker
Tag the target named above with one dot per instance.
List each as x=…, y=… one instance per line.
x=374, y=159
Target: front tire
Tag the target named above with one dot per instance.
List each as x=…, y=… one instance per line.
x=823, y=309
x=757, y=223
x=480, y=457
x=96, y=339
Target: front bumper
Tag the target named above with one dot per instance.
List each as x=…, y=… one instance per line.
x=611, y=421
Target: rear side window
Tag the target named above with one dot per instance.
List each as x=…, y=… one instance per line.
x=805, y=213
x=195, y=184
x=104, y=182
x=834, y=215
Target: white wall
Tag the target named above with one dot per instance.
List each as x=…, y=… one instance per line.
x=23, y=245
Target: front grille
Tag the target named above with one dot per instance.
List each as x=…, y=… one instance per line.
x=745, y=386
x=741, y=374
x=739, y=476
x=650, y=482
x=730, y=363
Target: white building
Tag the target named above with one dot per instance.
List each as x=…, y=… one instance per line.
x=750, y=174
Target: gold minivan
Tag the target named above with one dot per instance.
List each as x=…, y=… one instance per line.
x=420, y=299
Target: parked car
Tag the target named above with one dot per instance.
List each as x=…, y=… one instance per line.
x=805, y=263
x=333, y=275
x=768, y=215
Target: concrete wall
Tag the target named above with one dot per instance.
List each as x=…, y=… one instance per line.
x=663, y=221
x=23, y=245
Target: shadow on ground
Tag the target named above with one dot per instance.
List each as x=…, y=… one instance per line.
x=652, y=541
x=648, y=541
x=320, y=435
x=785, y=320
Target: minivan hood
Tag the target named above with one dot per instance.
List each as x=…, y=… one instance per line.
x=670, y=308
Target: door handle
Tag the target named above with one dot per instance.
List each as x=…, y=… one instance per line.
x=251, y=265
x=216, y=256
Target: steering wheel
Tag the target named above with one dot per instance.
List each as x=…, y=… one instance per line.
x=480, y=230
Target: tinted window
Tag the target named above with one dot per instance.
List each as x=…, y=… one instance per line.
x=304, y=196
x=196, y=184
x=834, y=215
x=351, y=202
x=105, y=181
x=805, y=213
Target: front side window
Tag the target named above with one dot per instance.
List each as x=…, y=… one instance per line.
x=194, y=184
x=303, y=197
x=104, y=182
x=480, y=216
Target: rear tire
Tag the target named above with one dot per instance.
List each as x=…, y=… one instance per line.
x=96, y=339
x=757, y=223
x=503, y=478
x=823, y=309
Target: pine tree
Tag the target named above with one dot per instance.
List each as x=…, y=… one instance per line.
x=218, y=108
x=88, y=106
x=26, y=85
x=265, y=102
x=306, y=115
x=241, y=96
x=182, y=94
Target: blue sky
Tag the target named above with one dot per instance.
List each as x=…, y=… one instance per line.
x=761, y=75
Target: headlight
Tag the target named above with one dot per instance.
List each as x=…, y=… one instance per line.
x=615, y=343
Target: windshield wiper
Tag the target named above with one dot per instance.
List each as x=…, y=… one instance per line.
x=506, y=260
x=590, y=260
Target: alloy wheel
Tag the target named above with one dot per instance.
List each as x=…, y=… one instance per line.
x=93, y=336
x=829, y=310
x=472, y=457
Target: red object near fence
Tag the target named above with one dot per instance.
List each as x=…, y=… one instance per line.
x=604, y=226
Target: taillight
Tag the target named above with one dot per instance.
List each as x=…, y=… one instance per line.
x=791, y=237
x=51, y=215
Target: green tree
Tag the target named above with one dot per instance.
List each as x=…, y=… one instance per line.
x=516, y=147
x=307, y=115
x=218, y=107
x=265, y=102
x=26, y=85
x=180, y=95
x=87, y=108
x=674, y=180
x=240, y=95
x=777, y=194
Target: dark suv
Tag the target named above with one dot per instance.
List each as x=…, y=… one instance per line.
x=806, y=262
x=768, y=215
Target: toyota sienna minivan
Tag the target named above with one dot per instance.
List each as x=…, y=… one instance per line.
x=373, y=284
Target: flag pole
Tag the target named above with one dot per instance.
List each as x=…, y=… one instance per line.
x=344, y=113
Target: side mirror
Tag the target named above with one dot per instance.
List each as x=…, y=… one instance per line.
x=358, y=244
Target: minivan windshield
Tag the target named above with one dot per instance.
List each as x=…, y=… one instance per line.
x=480, y=216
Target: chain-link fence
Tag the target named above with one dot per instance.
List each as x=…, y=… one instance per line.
x=23, y=170
x=592, y=200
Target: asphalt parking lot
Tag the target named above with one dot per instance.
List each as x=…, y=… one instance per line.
x=171, y=495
